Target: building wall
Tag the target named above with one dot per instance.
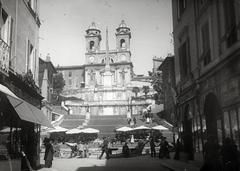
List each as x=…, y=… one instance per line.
x=168, y=80
x=214, y=69
x=23, y=25
x=26, y=32
x=73, y=76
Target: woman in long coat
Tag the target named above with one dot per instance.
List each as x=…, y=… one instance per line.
x=48, y=156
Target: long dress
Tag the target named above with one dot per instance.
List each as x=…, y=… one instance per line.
x=48, y=157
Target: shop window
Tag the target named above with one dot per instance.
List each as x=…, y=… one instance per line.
x=226, y=124
x=206, y=52
x=234, y=125
x=219, y=131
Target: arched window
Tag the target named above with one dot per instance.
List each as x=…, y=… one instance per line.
x=112, y=60
x=122, y=43
x=91, y=45
x=103, y=61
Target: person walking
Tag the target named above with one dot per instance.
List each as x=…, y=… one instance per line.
x=125, y=150
x=48, y=156
x=105, y=148
x=164, y=149
x=152, y=147
x=177, y=149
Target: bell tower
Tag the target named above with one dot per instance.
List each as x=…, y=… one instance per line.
x=123, y=36
x=93, y=39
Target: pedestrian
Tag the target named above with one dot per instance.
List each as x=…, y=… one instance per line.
x=164, y=149
x=230, y=155
x=152, y=147
x=125, y=150
x=105, y=148
x=178, y=147
x=134, y=120
x=48, y=156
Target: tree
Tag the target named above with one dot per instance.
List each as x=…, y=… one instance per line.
x=136, y=90
x=156, y=81
x=146, y=90
x=58, y=85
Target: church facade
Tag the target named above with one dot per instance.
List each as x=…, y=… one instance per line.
x=104, y=84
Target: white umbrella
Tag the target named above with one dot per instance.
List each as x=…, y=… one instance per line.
x=90, y=130
x=74, y=131
x=160, y=127
x=124, y=129
x=58, y=129
x=141, y=127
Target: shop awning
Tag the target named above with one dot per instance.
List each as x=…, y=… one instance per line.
x=124, y=129
x=25, y=110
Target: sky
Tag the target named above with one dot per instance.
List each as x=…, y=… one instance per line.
x=64, y=22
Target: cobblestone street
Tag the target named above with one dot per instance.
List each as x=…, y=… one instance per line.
x=141, y=163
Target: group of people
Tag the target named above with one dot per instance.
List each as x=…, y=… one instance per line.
x=80, y=150
x=163, y=150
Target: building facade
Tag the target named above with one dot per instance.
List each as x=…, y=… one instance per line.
x=207, y=46
x=168, y=89
x=46, y=72
x=103, y=85
x=21, y=117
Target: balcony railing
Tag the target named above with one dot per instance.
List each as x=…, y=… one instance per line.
x=4, y=57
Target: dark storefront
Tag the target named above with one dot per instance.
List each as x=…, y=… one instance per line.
x=20, y=124
x=211, y=108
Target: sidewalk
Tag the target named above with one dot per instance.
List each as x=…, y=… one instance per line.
x=180, y=165
x=47, y=169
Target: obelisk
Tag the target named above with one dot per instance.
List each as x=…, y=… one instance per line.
x=107, y=75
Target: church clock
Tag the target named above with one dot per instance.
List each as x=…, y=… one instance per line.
x=91, y=59
x=123, y=58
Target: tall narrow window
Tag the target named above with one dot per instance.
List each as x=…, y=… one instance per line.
x=206, y=53
x=91, y=45
x=122, y=43
x=5, y=26
x=184, y=59
x=181, y=5
x=230, y=22
x=30, y=56
x=70, y=74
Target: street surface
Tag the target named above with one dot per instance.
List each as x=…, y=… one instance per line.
x=142, y=163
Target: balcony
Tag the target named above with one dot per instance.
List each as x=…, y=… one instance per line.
x=4, y=57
